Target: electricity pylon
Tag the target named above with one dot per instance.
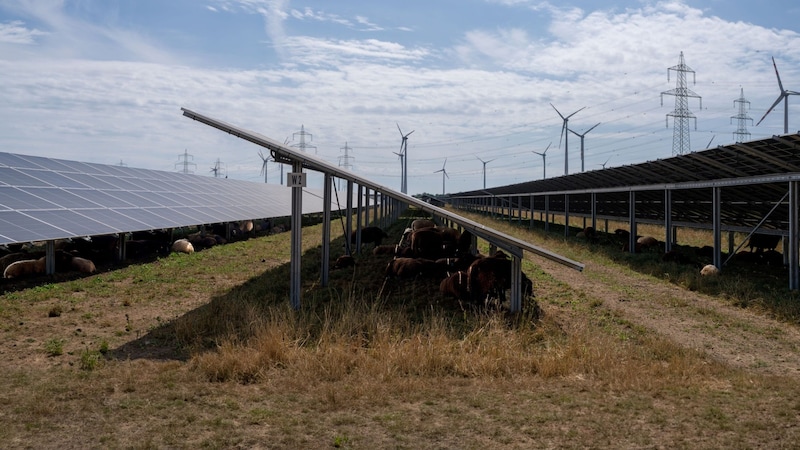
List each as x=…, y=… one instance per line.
x=681, y=114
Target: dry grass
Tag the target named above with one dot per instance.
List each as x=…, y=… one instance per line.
x=364, y=364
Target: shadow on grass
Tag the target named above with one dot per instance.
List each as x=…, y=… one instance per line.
x=241, y=312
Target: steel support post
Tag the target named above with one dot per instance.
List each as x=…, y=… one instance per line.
x=297, y=239
x=326, y=228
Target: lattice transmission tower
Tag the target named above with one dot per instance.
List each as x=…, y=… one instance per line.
x=681, y=114
x=186, y=162
x=741, y=134
x=346, y=161
x=303, y=145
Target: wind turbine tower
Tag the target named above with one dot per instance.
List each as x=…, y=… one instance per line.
x=681, y=114
x=565, y=135
x=741, y=134
x=217, y=169
x=444, y=174
x=264, y=161
x=484, y=169
x=404, y=158
x=582, y=136
x=544, y=160
x=402, y=170
x=784, y=95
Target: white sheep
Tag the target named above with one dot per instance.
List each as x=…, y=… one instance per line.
x=182, y=246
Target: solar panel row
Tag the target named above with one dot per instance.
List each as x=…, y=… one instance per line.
x=46, y=198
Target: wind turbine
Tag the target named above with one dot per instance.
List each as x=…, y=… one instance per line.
x=404, y=151
x=784, y=95
x=402, y=170
x=544, y=160
x=484, y=169
x=265, y=160
x=444, y=173
x=583, y=136
x=565, y=135
x=604, y=164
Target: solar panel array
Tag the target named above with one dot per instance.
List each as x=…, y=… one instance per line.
x=45, y=198
x=744, y=203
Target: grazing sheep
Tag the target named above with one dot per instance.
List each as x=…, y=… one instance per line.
x=369, y=235
x=182, y=246
x=760, y=242
x=25, y=267
x=82, y=265
x=419, y=224
x=709, y=270
x=344, y=261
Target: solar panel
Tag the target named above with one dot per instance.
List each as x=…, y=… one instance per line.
x=46, y=198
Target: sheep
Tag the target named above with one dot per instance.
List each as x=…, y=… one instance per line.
x=709, y=270
x=25, y=267
x=344, y=261
x=82, y=265
x=182, y=246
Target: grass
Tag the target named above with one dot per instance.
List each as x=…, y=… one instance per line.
x=203, y=350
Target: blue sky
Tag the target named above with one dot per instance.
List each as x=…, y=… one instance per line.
x=103, y=81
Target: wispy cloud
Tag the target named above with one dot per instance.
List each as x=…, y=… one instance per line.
x=15, y=32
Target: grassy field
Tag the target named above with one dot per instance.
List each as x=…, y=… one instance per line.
x=203, y=351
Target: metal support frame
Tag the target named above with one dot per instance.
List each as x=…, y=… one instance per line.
x=794, y=229
x=566, y=215
x=297, y=240
x=348, y=227
x=326, y=229
x=668, y=238
x=594, y=212
x=716, y=201
x=632, y=221
x=359, y=222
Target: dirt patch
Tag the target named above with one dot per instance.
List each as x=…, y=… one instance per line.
x=731, y=335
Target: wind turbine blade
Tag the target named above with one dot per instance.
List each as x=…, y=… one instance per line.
x=409, y=133
x=559, y=114
x=780, y=85
x=398, y=128
x=576, y=112
x=561, y=136
x=780, y=97
x=548, y=148
x=590, y=129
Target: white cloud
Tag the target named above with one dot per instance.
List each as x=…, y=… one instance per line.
x=15, y=32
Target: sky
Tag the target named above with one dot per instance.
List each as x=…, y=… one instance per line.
x=472, y=81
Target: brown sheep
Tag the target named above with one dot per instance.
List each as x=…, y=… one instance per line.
x=83, y=265
x=413, y=267
x=456, y=286
x=491, y=276
x=384, y=250
x=25, y=267
x=344, y=261
x=419, y=224
x=369, y=235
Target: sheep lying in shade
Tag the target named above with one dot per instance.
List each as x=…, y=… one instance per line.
x=82, y=265
x=709, y=270
x=182, y=246
x=24, y=267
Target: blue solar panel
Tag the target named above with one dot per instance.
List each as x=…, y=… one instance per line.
x=45, y=198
